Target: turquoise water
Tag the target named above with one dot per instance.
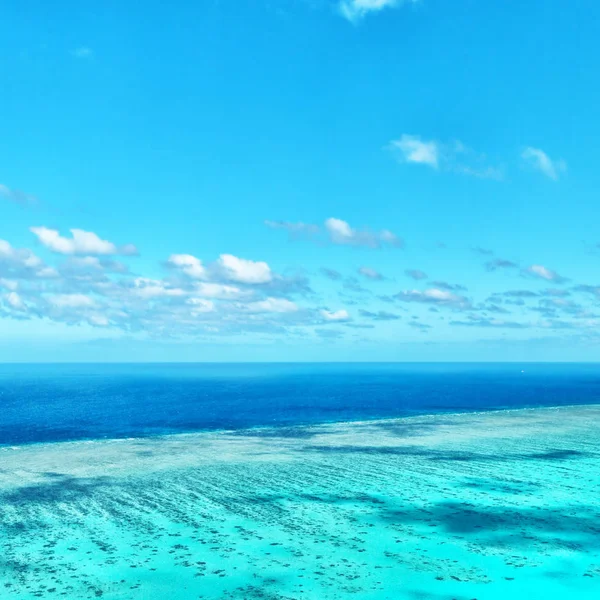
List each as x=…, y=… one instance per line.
x=475, y=505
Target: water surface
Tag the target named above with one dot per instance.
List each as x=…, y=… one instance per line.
x=69, y=402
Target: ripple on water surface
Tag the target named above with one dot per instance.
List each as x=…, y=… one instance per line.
x=484, y=506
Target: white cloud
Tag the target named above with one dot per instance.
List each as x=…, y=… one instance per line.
x=434, y=296
x=9, y=284
x=189, y=264
x=544, y=273
x=201, y=306
x=415, y=274
x=243, y=270
x=370, y=273
x=338, y=315
x=220, y=291
x=539, y=160
x=411, y=149
x=390, y=238
x=341, y=233
x=294, y=229
x=17, y=196
x=98, y=320
x=453, y=156
x=274, y=305
x=81, y=242
x=71, y=301
x=47, y=273
x=79, y=262
x=145, y=287
x=15, y=301
x=354, y=10
x=22, y=259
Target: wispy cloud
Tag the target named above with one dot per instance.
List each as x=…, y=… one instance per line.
x=541, y=272
x=434, y=296
x=355, y=10
x=500, y=263
x=479, y=321
x=331, y=274
x=335, y=316
x=422, y=327
x=483, y=251
x=370, y=273
x=295, y=230
x=17, y=196
x=539, y=160
x=380, y=315
x=339, y=232
x=451, y=287
x=415, y=274
x=453, y=156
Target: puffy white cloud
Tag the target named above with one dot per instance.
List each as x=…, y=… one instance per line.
x=22, y=262
x=540, y=161
x=354, y=10
x=412, y=149
x=189, y=264
x=243, y=270
x=80, y=242
x=338, y=315
x=340, y=231
x=232, y=295
x=200, y=306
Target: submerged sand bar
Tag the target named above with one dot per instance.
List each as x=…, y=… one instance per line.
x=476, y=505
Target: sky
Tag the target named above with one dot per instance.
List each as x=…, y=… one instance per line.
x=299, y=180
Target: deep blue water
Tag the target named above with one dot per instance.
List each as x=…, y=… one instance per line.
x=41, y=403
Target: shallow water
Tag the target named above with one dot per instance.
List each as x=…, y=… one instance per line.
x=478, y=505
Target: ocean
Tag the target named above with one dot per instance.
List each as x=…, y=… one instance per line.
x=51, y=403
x=281, y=481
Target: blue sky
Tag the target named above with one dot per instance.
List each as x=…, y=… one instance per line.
x=299, y=180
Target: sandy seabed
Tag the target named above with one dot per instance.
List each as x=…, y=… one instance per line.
x=469, y=506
